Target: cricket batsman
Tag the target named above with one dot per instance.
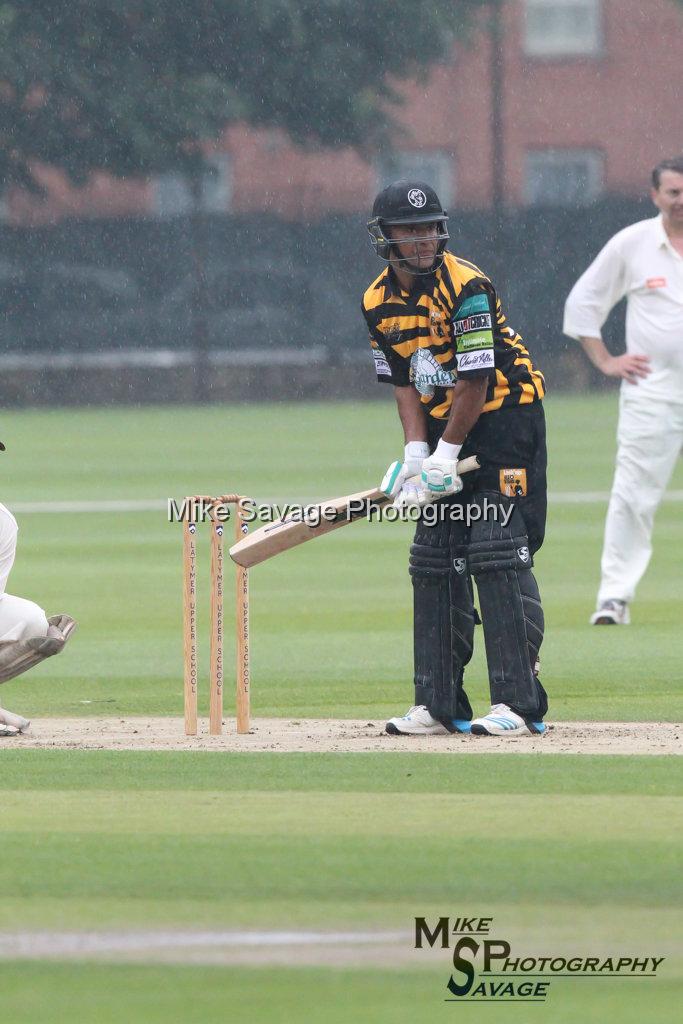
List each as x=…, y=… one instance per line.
x=464, y=384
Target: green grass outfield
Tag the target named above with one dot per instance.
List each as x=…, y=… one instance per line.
x=331, y=621
x=62, y=994
x=567, y=853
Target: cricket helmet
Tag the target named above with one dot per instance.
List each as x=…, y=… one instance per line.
x=407, y=202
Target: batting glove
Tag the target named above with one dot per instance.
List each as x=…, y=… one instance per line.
x=411, y=493
x=399, y=472
x=440, y=472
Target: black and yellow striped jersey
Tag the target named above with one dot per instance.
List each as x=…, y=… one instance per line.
x=449, y=327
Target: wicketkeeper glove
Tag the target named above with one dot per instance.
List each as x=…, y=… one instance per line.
x=440, y=472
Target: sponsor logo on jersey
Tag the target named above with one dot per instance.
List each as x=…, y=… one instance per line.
x=480, y=360
x=656, y=282
x=513, y=483
x=474, y=304
x=467, y=342
x=426, y=373
x=382, y=367
x=478, y=322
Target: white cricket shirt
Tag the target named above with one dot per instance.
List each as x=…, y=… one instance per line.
x=641, y=264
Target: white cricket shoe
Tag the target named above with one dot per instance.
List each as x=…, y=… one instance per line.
x=501, y=721
x=611, y=613
x=416, y=722
x=16, y=722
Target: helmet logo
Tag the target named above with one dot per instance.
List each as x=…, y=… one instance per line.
x=416, y=197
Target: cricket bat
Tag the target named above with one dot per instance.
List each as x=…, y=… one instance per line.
x=317, y=520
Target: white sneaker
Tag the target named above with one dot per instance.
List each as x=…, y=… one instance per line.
x=15, y=721
x=611, y=613
x=416, y=722
x=501, y=721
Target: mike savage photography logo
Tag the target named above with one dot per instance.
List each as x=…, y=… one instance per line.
x=486, y=967
x=320, y=514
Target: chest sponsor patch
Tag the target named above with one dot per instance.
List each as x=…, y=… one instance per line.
x=513, y=483
x=656, y=282
x=382, y=367
x=427, y=374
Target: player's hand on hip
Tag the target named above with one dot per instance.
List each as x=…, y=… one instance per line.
x=399, y=472
x=440, y=472
x=630, y=366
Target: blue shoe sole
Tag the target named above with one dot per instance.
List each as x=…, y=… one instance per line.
x=462, y=725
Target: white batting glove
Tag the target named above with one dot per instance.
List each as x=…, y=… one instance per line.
x=411, y=493
x=398, y=472
x=440, y=472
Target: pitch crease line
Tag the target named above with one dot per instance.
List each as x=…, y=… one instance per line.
x=47, y=943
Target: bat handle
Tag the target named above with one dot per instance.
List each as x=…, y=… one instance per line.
x=467, y=465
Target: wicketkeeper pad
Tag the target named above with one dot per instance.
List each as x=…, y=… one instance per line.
x=17, y=656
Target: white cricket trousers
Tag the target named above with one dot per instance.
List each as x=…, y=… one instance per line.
x=19, y=619
x=649, y=436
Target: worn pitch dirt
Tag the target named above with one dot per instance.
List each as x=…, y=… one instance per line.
x=342, y=736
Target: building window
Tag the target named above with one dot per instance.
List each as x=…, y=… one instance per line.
x=172, y=195
x=434, y=167
x=563, y=177
x=562, y=28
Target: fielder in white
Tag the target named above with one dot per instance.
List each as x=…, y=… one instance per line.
x=643, y=263
x=27, y=635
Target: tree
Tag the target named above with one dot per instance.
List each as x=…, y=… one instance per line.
x=135, y=86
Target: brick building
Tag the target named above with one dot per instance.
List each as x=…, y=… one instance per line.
x=590, y=101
